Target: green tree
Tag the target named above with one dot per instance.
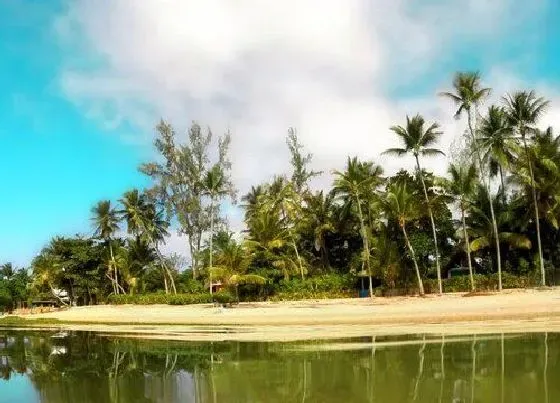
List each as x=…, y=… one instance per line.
x=523, y=110
x=179, y=180
x=496, y=142
x=106, y=223
x=401, y=205
x=355, y=185
x=215, y=187
x=232, y=262
x=468, y=96
x=462, y=185
x=418, y=140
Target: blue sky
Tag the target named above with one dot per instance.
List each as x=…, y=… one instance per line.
x=83, y=82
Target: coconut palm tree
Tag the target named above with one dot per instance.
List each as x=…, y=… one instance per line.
x=523, y=110
x=318, y=213
x=418, y=140
x=232, y=263
x=496, y=143
x=215, y=187
x=462, y=186
x=481, y=226
x=105, y=219
x=7, y=271
x=133, y=212
x=355, y=185
x=401, y=205
x=468, y=96
x=281, y=196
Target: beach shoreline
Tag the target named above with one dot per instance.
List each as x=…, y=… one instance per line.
x=511, y=311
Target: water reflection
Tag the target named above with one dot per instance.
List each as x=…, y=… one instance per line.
x=84, y=367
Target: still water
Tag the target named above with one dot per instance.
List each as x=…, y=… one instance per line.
x=85, y=367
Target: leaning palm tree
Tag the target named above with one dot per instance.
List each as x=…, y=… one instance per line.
x=523, y=110
x=495, y=140
x=468, y=95
x=355, y=185
x=215, y=187
x=106, y=222
x=401, y=205
x=462, y=186
x=134, y=205
x=418, y=140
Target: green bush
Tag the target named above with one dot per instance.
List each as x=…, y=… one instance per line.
x=159, y=298
x=319, y=287
x=483, y=282
x=224, y=297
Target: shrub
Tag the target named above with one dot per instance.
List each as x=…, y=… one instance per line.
x=223, y=297
x=319, y=287
x=159, y=298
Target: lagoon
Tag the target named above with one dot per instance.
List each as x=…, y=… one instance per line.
x=41, y=366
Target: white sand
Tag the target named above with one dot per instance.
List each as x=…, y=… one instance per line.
x=510, y=311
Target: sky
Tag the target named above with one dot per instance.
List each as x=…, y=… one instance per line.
x=83, y=83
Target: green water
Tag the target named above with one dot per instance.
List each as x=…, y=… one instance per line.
x=84, y=367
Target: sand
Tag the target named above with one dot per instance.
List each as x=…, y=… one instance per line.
x=511, y=311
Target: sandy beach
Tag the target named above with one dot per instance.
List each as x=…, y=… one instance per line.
x=511, y=311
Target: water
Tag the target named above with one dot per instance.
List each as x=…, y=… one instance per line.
x=85, y=367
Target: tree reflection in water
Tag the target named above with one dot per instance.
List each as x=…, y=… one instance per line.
x=86, y=367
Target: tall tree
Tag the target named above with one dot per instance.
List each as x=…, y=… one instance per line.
x=496, y=142
x=401, y=205
x=468, y=96
x=106, y=223
x=300, y=162
x=462, y=185
x=318, y=214
x=523, y=110
x=215, y=187
x=355, y=185
x=179, y=179
x=419, y=140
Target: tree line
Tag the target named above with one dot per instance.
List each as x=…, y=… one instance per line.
x=495, y=211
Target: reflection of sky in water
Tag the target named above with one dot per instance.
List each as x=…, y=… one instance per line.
x=18, y=390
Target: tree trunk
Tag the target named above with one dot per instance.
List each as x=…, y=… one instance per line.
x=468, y=246
x=434, y=233
x=503, y=184
x=294, y=245
x=365, y=241
x=537, y=221
x=492, y=214
x=113, y=266
x=211, y=241
x=413, y=255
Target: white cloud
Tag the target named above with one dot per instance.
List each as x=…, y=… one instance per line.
x=259, y=67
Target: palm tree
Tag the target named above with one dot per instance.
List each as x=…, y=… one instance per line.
x=523, y=110
x=481, y=226
x=232, y=263
x=155, y=231
x=462, y=185
x=469, y=94
x=419, y=140
x=318, y=215
x=106, y=222
x=7, y=271
x=401, y=204
x=134, y=205
x=495, y=140
x=283, y=197
x=144, y=221
x=215, y=184
x=355, y=185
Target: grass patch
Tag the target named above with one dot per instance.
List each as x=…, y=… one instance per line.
x=10, y=321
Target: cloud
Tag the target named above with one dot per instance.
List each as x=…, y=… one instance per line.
x=258, y=67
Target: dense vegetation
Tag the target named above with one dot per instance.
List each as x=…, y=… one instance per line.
x=496, y=211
